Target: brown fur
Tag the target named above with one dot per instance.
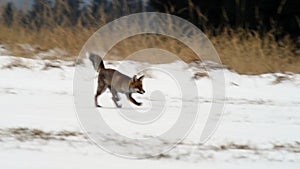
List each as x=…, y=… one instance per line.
x=116, y=82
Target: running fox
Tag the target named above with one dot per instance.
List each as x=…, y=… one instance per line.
x=116, y=82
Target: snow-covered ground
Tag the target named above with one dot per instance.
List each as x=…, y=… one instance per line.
x=39, y=126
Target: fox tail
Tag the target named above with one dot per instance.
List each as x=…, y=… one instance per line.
x=97, y=61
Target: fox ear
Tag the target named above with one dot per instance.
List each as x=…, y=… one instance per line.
x=134, y=78
x=141, y=78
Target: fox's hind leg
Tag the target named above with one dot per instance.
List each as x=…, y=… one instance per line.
x=100, y=89
x=115, y=97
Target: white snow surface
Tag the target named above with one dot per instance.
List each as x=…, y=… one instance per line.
x=39, y=127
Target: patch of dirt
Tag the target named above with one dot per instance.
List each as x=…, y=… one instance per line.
x=16, y=63
x=27, y=134
x=282, y=78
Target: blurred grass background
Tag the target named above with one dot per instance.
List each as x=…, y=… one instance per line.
x=251, y=38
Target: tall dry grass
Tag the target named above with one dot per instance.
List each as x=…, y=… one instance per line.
x=240, y=49
x=69, y=39
x=243, y=51
x=248, y=52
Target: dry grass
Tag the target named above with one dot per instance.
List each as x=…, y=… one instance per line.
x=243, y=51
x=69, y=39
x=147, y=41
x=247, y=52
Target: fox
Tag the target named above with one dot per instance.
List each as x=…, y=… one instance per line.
x=116, y=82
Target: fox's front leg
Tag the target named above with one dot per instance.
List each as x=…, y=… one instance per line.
x=129, y=96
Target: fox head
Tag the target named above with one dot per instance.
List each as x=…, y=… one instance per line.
x=136, y=85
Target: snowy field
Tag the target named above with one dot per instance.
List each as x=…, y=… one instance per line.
x=39, y=126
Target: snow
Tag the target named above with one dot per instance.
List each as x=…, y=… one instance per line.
x=39, y=126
